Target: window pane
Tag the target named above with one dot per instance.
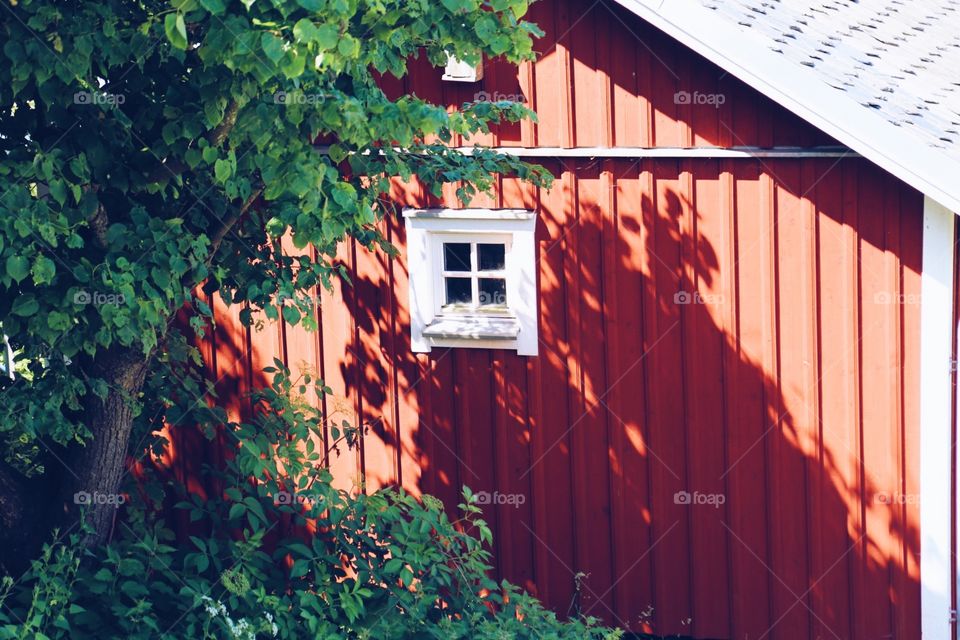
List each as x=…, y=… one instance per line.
x=458, y=290
x=456, y=256
x=490, y=256
x=493, y=292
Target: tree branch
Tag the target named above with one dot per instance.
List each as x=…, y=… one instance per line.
x=99, y=223
x=216, y=137
x=230, y=221
x=222, y=130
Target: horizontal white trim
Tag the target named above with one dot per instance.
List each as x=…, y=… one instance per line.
x=671, y=152
x=936, y=452
x=662, y=152
x=469, y=214
x=803, y=92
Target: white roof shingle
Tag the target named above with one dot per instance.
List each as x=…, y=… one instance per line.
x=898, y=57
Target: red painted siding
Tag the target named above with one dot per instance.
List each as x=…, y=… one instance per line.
x=787, y=386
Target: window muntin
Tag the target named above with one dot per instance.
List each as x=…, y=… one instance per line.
x=473, y=276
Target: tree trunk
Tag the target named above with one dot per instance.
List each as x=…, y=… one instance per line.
x=96, y=468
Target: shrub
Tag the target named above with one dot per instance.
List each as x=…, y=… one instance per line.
x=286, y=555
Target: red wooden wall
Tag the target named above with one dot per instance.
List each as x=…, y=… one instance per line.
x=788, y=387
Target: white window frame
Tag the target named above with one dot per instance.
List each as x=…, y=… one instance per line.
x=433, y=326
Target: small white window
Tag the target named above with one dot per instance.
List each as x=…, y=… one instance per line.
x=472, y=278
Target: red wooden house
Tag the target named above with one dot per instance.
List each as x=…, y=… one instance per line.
x=703, y=384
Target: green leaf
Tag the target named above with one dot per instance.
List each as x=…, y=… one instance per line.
x=455, y=5
x=300, y=568
x=291, y=314
x=294, y=65
x=18, y=268
x=58, y=190
x=327, y=36
x=348, y=46
x=305, y=31
x=209, y=154
x=216, y=7
x=59, y=321
x=176, y=30
x=25, y=305
x=272, y=46
x=222, y=170
x=236, y=510
x=43, y=270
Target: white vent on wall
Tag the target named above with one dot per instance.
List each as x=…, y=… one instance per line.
x=459, y=71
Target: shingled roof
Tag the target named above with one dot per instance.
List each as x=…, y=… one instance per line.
x=883, y=77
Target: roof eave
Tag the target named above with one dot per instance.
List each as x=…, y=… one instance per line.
x=802, y=92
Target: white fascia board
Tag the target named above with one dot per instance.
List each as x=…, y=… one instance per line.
x=803, y=92
x=936, y=404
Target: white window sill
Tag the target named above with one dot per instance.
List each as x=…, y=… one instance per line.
x=472, y=328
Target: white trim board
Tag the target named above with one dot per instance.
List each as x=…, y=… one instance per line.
x=803, y=92
x=936, y=453
x=679, y=153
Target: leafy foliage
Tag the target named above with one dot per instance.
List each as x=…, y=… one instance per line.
x=152, y=146
x=155, y=153
x=286, y=556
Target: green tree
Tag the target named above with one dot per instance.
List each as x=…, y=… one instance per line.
x=150, y=148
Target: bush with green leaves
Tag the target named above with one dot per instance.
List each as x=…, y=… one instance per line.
x=285, y=555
